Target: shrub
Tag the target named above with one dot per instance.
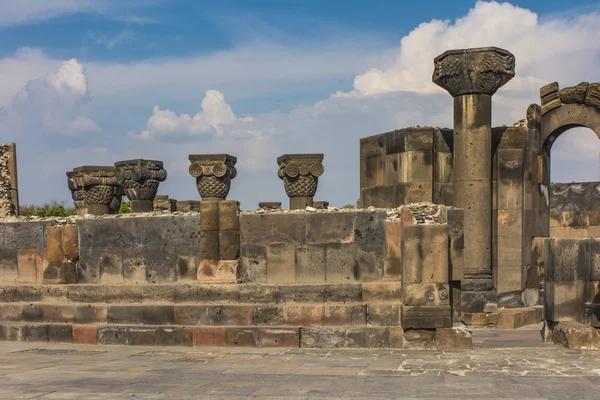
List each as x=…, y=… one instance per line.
x=349, y=206
x=125, y=207
x=52, y=209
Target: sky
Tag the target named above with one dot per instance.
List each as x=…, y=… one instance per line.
x=91, y=82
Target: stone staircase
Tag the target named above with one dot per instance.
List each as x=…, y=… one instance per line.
x=354, y=315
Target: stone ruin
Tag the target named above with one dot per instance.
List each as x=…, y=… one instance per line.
x=455, y=228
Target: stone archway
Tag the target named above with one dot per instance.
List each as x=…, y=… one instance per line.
x=563, y=109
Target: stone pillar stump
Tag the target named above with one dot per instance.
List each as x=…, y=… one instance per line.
x=140, y=179
x=300, y=174
x=213, y=173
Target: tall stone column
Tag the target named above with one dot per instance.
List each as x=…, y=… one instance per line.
x=99, y=187
x=300, y=174
x=140, y=180
x=472, y=76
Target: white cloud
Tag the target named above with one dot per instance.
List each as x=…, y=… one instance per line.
x=555, y=49
x=50, y=105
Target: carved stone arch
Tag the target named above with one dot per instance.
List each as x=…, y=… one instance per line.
x=572, y=107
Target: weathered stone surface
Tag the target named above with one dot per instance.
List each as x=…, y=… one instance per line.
x=425, y=254
x=453, y=339
x=426, y=317
x=140, y=179
x=326, y=337
x=340, y=262
x=310, y=263
x=213, y=173
x=99, y=183
x=281, y=263
x=300, y=174
x=575, y=335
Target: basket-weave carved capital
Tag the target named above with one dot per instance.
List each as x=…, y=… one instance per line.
x=213, y=173
x=300, y=173
x=474, y=71
x=98, y=183
x=140, y=178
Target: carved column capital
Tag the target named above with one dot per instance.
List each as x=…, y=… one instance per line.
x=140, y=178
x=474, y=71
x=75, y=183
x=213, y=173
x=300, y=174
x=99, y=184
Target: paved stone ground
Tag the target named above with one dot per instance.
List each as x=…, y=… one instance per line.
x=505, y=364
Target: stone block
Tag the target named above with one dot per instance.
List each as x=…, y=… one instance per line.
x=359, y=337
x=344, y=293
x=279, y=337
x=416, y=166
x=30, y=265
x=142, y=336
x=442, y=167
x=187, y=267
x=563, y=301
x=90, y=314
x=382, y=314
x=267, y=315
x=396, y=337
x=138, y=314
x=11, y=312
x=281, y=263
x=229, y=245
x=222, y=271
x=369, y=227
x=188, y=205
x=243, y=337
x=54, y=251
x=86, y=293
x=393, y=240
x=303, y=315
x=169, y=231
x=209, y=216
x=453, y=339
x=118, y=335
x=426, y=317
x=426, y=294
x=574, y=335
x=379, y=196
x=205, y=293
x=110, y=232
x=23, y=235
x=443, y=193
x=60, y=333
x=84, y=334
x=8, y=266
x=110, y=264
x=208, y=336
x=425, y=254
x=370, y=261
x=121, y=293
x=373, y=171
x=374, y=146
x=174, y=336
x=209, y=245
x=515, y=318
x=341, y=262
x=310, y=264
x=135, y=269
x=487, y=319
x=253, y=264
x=330, y=228
x=161, y=264
x=35, y=333
x=32, y=312
x=263, y=229
x=344, y=315
x=58, y=313
x=381, y=292
x=475, y=301
x=156, y=294
x=229, y=215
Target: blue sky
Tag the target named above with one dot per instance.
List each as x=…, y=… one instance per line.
x=95, y=81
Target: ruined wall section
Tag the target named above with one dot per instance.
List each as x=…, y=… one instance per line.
x=575, y=210
x=9, y=199
x=406, y=166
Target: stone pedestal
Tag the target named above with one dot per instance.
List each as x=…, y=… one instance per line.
x=140, y=179
x=472, y=76
x=213, y=173
x=99, y=184
x=300, y=174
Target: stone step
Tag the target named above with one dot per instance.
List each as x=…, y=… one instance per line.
x=514, y=318
x=203, y=293
x=202, y=336
x=291, y=314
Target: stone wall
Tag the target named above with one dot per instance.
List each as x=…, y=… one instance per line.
x=22, y=251
x=572, y=278
x=406, y=166
x=312, y=247
x=575, y=210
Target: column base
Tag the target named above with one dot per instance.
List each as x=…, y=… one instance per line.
x=300, y=203
x=97, y=209
x=138, y=206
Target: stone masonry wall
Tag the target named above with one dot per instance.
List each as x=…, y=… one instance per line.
x=312, y=247
x=406, y=166
x=575, y=210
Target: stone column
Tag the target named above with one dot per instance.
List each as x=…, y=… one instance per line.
x=472, y=76
x=140, y=180
x=12, y=172
x=213, y=173
x=75, y=182
x=300, y=174
x=99, y=187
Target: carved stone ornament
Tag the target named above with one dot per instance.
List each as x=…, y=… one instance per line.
x=75, y=182
x=474, y=71
x=213, y=173
x=115, y=203
x=99, y=186
x=140, y=178
x=300, y=173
